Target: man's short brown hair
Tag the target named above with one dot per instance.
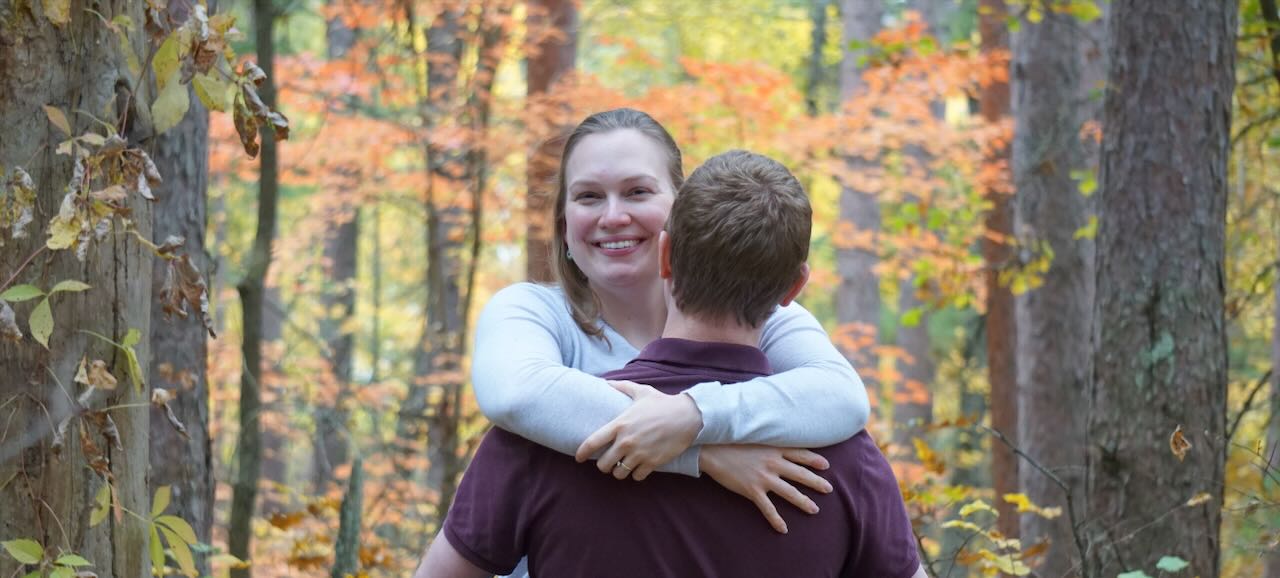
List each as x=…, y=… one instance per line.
x=739, y=234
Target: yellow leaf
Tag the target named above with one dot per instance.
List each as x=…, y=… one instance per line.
x=977, y=506
x=1198, y=499
x=156, y=549
x=1178, y=443
x=180, y=527
x=172, y=104
x=161, y=500
x=963, y=525
x=58, y=118
x=58, y=12
x=41, y=322
x=181, y=552
x=103, y=501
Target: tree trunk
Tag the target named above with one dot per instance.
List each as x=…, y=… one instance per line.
x=340, y=252
x=858, y=296
x=996, y=255
x=1053, y=319
x=46, y=494
x=1160, y=345
x=817, y=42
x=1273, y=425
x=252, y=299
x=179, y=347
x=913, y=394
x=549, y=60
x=272, y=415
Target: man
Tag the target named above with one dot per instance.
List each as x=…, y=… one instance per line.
x=735, y=247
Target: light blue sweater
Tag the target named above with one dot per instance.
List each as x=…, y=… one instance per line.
x=534, y=373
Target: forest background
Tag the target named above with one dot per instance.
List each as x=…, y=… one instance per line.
x=1045, y=234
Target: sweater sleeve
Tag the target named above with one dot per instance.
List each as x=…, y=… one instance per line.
x=523, y=385
x=815, y=399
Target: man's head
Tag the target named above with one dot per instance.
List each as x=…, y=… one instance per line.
x=737, y=240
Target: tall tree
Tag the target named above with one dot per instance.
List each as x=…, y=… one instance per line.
x=252, y=289
x=179, y=347
x=858, y=296
x=1053, y=320
x=339, y=300
x=1159, y=329
x=69, y=60
x=997, y=256
x=554, y=24
x=817, y=44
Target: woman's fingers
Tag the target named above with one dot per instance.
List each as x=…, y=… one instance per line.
x=596, y=442
x=789, y=493
x=761, y=500
x=806, y=458
x=805, y=476
x=642, y=472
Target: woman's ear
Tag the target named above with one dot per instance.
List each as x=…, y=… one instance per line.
x=664, y=255
x=796, y=287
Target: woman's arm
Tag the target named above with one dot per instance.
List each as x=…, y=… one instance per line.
x=814, y=399
x=521, y=381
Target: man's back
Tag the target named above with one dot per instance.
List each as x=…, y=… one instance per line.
x=522, y=499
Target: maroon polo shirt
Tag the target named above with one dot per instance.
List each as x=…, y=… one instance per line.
x=520, y=499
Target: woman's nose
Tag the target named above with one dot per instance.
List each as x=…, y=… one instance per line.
x=615, y=215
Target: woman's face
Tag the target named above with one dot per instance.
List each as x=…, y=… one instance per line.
x=617, y=201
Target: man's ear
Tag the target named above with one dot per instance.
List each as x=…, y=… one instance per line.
x=664, y=255
x=799, y=284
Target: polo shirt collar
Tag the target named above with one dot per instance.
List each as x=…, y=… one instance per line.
x=706, y=354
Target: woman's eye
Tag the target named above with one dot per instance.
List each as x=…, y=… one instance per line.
x=586, y=196
x=640, y=191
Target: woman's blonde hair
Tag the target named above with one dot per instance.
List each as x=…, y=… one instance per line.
x=583, y=304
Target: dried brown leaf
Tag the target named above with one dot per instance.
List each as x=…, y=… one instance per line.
x=247, y=128
x=100, y=377
x=171, y=243
x=253, y=73
x=9, y=323
x=1178, y=443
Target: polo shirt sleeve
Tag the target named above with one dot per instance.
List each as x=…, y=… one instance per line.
x=488, y=523
x=884, y=544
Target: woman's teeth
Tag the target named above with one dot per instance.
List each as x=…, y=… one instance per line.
x=619, y=244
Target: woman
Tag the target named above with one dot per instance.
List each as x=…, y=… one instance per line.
x=538, y=348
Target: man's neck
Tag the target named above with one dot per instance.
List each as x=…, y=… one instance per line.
x=729, y=330
x=636, y=313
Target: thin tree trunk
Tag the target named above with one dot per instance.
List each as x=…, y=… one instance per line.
x=996, y=254
x=1053, y=320
x=1272, y=565
x=817, y=42
x=275, y=461
x=252, y=293
x=46, y=494
x=549, y=60
x=858, y=296
x=1159, y=328
x=329, y=448
x=179, y=346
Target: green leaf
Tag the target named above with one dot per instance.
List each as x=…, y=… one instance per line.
x=58, y=118
x=213, y=91
x=912, y=317
x=72, y=560
x=24, y=550
x=42, y=323
x=35, y=574
x=181, y=552
x=172, y=104
x=1134, y=574
x=58, y=12
x=1089, y=231
x=69, y=285
x=19, y=293
x=62, y=572
x=135, y=369
x=157, y=550
x=161, y=500
x=1085, y=10
x=1171, y=564
x=103, y=507
x=179, y=527
x=167, y=61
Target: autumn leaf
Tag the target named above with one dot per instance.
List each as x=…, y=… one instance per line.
x=58, y=118
x=58, y=12
x=64, y=229
x=172, y=104
x=1178, y=443
x=285, y=521
x=99, y=377
x=17, y=211
x=247, y=127
x=185, y=285
x=102, y=505
x=9, y=323
x=1198, y=499
x=41, y=323
x=212, y=90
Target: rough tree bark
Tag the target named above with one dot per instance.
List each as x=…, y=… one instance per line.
x=1160, y=344
x=340, y=256
x=858, y=296
x=549, y=60
x=1053, y=320
x=46, y=495
x=179, y=347
x=997, y=255
x=252, y=289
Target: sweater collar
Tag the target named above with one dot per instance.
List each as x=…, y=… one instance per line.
x=706, y=354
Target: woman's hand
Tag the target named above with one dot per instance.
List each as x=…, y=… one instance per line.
x=753, y=471
x=653, y=431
